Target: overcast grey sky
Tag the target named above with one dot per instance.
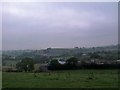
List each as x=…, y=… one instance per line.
x=41, y=25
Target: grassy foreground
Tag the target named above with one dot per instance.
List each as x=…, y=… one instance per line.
x=62, y=79
x=0, y=80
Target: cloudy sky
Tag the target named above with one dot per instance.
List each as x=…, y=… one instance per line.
x=38, y=25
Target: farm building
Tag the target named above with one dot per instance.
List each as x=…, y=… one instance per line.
x=61, y=61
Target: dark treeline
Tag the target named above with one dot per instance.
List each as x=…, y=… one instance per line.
x=73, y=63
x=84, y=66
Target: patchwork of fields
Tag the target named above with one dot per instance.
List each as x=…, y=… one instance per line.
x=62, y=79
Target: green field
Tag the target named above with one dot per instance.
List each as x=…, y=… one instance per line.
x=62, y=79
x=0, y=80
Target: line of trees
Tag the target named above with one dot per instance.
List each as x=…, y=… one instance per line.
x=27, y=65
x=72, y=63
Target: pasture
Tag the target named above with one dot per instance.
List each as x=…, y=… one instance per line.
x=0, y=80
x=62, y=79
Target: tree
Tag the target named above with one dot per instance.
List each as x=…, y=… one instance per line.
x=27, y=64
x=54, y=64
x=72, y=62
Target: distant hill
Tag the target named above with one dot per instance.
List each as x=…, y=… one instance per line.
x=44, y=55
x=60, y=51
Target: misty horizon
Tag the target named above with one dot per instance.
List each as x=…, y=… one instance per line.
x=63, y=47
